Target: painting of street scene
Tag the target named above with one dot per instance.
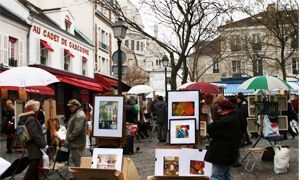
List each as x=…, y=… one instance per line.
x=108, y=113
x=183, y=108
x=182, y=131
x=106, y=161
x=197, y=167
x=171, y=166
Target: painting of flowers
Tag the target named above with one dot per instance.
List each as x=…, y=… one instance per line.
x=197, y=167
x=183, y=108
x=182, y=131
x=171, y=166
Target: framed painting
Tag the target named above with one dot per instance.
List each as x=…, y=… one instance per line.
x=167, y=162
x=108, y=116
x=184, y=105
x=107, y=158
x=182, y=131
x=192, y=163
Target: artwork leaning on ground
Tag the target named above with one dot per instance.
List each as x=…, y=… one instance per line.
x=107, y=158
x=184, y=105
x=182, y=131
x=108, y=116
x=181, y=162
x=171, y=166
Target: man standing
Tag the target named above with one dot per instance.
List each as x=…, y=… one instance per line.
x=161, y=113
x=225, y=133
x=76, y=131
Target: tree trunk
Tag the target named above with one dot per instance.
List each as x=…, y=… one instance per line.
x=282, y=62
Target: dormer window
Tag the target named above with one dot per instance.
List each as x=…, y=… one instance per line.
x=68, y=23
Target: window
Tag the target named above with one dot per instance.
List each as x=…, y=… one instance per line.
x=256, y=41
x=295, y=66
x=68, y=23
x=236, y=68
x=138, y=45
x=157, y=62
x=215, y=66
x=103, y=41
x=294, y=42
x=44, y=54
x=142, y=46
x=67, y=60
x=104, y=66
x=84, y=66
x=96, y=68
x=235, y=43
x=132, y=45
x=126, y=43
x=12, y=47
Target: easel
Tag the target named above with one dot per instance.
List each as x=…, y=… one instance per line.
x=261, y=112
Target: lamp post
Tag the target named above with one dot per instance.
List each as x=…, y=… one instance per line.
x=165, y=62
x=119, y=29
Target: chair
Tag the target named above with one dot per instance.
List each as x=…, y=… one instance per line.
x=254, y=157
x=62, y=154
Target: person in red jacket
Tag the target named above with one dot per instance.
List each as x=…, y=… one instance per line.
x=295, y=104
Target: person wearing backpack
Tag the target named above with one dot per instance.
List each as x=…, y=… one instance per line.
x=160, y=107
x=36, y=141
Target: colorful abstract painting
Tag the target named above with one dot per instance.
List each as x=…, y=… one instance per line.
x=183, y=108
x=171, y=166
x=197, y=167
x=182, y=131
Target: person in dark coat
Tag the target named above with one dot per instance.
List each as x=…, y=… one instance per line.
x=161, y=114
x=8, y=116
x=131, y=113
x=243, y=109
x=225, y=134
x=76, y=131
x=36, y=142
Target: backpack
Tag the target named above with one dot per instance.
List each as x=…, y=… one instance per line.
x=21, y=138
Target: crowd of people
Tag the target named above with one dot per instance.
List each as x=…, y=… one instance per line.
x=227, y=129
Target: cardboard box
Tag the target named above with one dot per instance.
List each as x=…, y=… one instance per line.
x=85, y=172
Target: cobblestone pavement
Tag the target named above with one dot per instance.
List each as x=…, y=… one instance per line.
x=144, y=161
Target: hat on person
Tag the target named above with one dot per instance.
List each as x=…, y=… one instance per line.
x=32, y=105
x=73, y=102
x=226, y=104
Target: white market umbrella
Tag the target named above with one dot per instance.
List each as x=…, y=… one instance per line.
x=265, y=82
x=294, y=85
x=140, y=89
x=26, y=77
x=156, y=94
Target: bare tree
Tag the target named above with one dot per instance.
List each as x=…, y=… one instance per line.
x=188, y=22
x=135, y=76
x=281, y=22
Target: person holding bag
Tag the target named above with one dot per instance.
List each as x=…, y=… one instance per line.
x=36, y=141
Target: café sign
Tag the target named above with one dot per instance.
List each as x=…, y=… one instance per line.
x=60, y=40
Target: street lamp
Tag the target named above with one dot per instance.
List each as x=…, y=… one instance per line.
x=119, y=29
x=165, y=62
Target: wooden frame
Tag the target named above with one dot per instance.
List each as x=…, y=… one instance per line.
x=108, y=120
x=282, y=103
x=252, y=127
x=178, y=100
x=283, y=123
x=203, y=131
x=183, y=131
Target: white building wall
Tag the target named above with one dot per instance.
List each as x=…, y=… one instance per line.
x=56, y=58
x=17, y=31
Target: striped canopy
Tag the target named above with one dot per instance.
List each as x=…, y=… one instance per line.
x=265, y=82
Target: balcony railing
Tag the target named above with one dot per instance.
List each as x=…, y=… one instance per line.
x=66, y=67
x=103, y=46
x=43, y=60
x=215, y=70
x=13, y=62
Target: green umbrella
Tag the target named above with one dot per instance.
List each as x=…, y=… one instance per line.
x=265, y=82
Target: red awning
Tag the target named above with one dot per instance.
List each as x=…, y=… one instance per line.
x=44, y=90
x=69, y=53
x=46, y=45
x=81, y=83
x=103, y=81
